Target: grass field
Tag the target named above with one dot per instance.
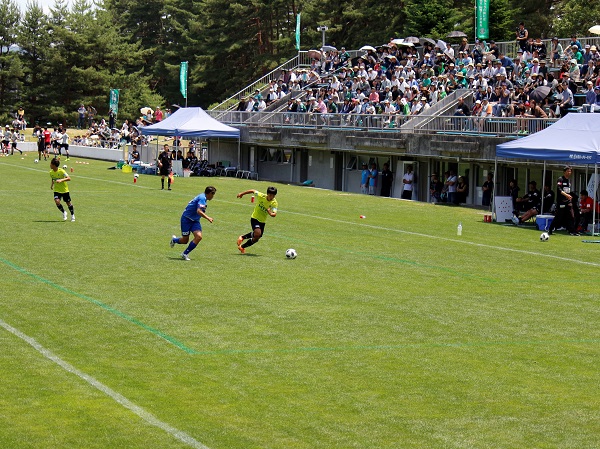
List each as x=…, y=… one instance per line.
x=386, y=332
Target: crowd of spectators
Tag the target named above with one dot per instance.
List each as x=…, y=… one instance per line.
x=396, y=81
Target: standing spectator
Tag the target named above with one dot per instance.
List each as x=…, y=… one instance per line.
x=91, y=113
x=564, y=204
x=164, y=165
x=462, y=190
x=435, y=188
x=81, y=112
x=364, y=179
x=522, y=36
x=513, y=192
x=488, y=189
x=387, y=178
x=158, y=115
x=556, y=52
x=60, y=188
x=111, y=119
x=450, y=186
x=190, y=221
x=407, y=181
x=373, y=173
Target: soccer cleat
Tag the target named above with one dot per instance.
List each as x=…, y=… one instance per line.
x=242, y=250
x=65, y=215
x=172, y=243
x=73, y=217
x=240, y=240
x=184, y=256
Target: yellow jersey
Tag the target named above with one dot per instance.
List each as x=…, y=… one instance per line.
x=59, y=187
x=262, y=204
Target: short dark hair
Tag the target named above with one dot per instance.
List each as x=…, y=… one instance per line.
x=55, y=162
x=584, y=192
x=210, y=189
x=271, y=190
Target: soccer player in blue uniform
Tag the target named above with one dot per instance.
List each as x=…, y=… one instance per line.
x=190, y=221
x=266, y=205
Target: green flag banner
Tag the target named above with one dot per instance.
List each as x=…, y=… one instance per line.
x=113, y=101
x=483, y=16
x=183, y=74
x=298, y=31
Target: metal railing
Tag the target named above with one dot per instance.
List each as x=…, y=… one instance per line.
x=484, y=126
x=429, y=124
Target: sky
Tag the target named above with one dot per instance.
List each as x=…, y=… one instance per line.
x=43, y=3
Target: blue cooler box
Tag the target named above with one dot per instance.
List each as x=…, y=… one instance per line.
x=543, y=222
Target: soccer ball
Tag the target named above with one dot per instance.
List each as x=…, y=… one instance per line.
x=65, y=166
x=135, y=176
x=291, y=253
x=36, y=161
x=544, y=237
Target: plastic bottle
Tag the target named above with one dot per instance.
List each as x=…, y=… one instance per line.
x=459, y=228
x=252, y=199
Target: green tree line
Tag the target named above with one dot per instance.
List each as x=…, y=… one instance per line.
x=51, y=62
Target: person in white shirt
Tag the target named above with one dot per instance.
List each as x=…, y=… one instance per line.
x=64, y=143
x=408, y=180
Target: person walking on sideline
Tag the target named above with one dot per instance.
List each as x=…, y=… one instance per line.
x=164, y=165
x=265, y=205
x=190, y=221
x=59, y=185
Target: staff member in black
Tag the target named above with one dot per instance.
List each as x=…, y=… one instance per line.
x=564, y=204
x=164, y=166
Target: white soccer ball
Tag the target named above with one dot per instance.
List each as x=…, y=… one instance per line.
x=136, y=175
x=65, y=166
x=291, y=253
x=544, y=237
x=36, y=161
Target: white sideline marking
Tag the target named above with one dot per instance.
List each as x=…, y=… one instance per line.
x=429, y=236
x=146, y=416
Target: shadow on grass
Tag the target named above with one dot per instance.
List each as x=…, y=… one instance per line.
x=48, y=221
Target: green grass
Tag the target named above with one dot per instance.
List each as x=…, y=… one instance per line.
x=386, y=332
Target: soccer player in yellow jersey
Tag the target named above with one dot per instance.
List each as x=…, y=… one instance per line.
x=59, y=185
x=265, y=205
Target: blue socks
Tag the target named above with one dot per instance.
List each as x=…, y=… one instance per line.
x=190, y=247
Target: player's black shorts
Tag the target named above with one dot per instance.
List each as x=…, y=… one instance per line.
x=257, y=224
x=165, y=171
x=66, y=197
x=65, y=146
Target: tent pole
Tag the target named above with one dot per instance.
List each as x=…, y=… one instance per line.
x=594, y=198
x=543, y=185
x=495, y=178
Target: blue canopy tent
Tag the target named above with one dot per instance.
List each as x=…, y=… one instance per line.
x=574, y=139
x=192, y=122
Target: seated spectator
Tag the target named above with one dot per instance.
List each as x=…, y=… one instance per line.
x=513, y=192
x=190, y=159
x=586, y=210
x=529, y=203
x=548, y=200
x=134, y=156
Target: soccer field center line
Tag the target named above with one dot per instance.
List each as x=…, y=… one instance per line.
x=106, y=307
x=117, y=397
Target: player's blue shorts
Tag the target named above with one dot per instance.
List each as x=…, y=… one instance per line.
x=188, y=226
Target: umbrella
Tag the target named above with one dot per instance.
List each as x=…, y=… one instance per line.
x=367, y=48
x=397, y=41
x=456, y=34
x=426, y=39
x=406, y=44
x=411, y=40
x=316, y=54
x=146, y=111
x=595, y=29
x=328, y=48
x=449, y=55
x=539, y=94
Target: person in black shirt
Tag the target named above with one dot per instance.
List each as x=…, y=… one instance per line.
x=564, y=204
x=547, y=199
x=530, y=203
x=386, y=180
x=164, y=166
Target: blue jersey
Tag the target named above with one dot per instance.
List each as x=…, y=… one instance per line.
x=364, y=177
x=191, y=210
